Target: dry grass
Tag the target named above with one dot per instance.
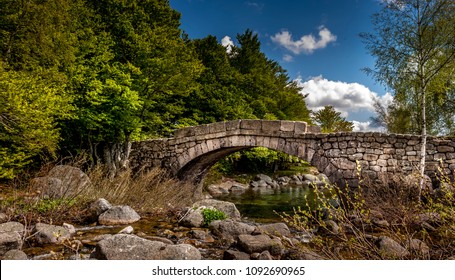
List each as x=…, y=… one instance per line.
x=145, y=192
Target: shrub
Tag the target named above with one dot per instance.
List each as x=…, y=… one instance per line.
x=212, y=214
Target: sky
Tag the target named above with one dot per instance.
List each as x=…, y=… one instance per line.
x=316, y=41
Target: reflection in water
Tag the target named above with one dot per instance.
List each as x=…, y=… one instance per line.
x=263, y=204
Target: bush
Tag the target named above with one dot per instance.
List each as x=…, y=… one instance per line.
x=212, y=214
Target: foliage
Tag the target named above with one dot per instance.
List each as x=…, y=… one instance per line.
x=30, y=106
x=331, y=121
x=212, y=214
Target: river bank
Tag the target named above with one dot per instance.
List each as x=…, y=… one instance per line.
x=386, y=227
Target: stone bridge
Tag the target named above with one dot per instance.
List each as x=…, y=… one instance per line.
x=193, y=150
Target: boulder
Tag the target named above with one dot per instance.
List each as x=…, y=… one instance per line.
x=13, y=227
x=229, y=230
x=323, y=178
x=237, y=189
x=301, y=254
x=98, y=207
x=193, y=218
x=390, y=249
x=235, y=255
x=119, y=215
x=277, y=229
x=311, y=178
x=131, y=247
x=227, y=208
x=264, y=178
x=48, y=187
x=10, y=241
x=63, y=181
x=50, y=234
x=15, y=255
x=260, y=243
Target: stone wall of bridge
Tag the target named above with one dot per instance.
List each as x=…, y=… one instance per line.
x=193, y=150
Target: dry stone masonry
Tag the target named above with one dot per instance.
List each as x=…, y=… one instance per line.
x=193, y=150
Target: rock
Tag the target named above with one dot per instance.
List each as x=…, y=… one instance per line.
x=227, y=208
x=131, y=247
x=260, y=243
x=277, y=229
x=101, y=237
x=48, y=187
x=237, y=189
x=264, y=178
x=127, y=230
x=229, y=230
x=390, y=249
x=98, y=207
x=13, y=227
x=50, y=234
x=10, y=241
x=301, y=254
x=214, y=190
x=380, y=223
x=72, y=178
x=201, y=235
x=3, y=218
x=254, y=184
x=193, y=218
x=15, y=255
x=235, y=255
x=261, y=184
x=311, y=178
x=160, y=239
x=119, y=215
x=265, y=256
x=70, y=228
x=419, y=247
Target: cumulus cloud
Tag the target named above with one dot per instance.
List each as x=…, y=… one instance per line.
x=307, y=43
x=288, y=58
x=366, y=126
x=344, y=97
x=227, y=43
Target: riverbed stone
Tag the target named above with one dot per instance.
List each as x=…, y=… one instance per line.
x=264, y=178
x=390, y=249
x=229, y=230
x=235, y=255
x=193, y=218
x=9, y=241
x=3, y=217
x=127, y=230
x=50, y=234
x=13, y=227
x=119, y=215
x=131, y=247
x=227, y=208
x=98, y=207
x=15, y=255
x=260, y=243
x=277, y=229
x=265, y=256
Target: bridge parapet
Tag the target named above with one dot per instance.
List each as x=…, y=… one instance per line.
x=246, y=127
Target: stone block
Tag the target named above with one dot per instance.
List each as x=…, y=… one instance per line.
x=184, y=132
x=301, y=128
x=217, y=127
x=251, y=124
x=445, y=149
x=286, y=126
x=271, y=126
x=232, y=125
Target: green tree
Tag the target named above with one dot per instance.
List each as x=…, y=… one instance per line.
x=331, y=121
x=414, y=46
x=30, y=107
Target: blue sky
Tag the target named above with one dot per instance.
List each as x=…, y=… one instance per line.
x=317, y=42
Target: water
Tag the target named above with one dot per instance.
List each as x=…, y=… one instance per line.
x=264, y=205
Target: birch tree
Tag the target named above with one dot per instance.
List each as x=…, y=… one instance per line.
x=414, y=47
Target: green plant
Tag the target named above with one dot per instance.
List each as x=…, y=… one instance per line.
x=212, y=214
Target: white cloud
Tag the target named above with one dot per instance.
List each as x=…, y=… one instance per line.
x=346, y=98
x=307, y=43
x=288, y=58
x=227, y=43
x=366, y=126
